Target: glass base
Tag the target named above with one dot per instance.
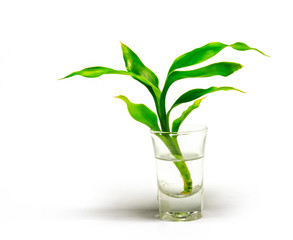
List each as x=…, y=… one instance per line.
x=180, y=216
x=180, y=208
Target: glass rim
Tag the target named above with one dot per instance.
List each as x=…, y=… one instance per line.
x=195, y=128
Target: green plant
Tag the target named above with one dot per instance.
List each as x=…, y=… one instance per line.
x=141, y=113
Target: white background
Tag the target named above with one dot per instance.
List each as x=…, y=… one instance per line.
x=74, y=165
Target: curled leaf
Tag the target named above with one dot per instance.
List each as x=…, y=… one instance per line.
x=197, y=55
x=141, y=113
x=206, y=52
x=134, y=64
x=197, y=93
x=93, y=72
x=221, y=68
x=177, y=122
x=240, y=46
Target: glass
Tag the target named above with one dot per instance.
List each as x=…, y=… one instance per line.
x=179, y=164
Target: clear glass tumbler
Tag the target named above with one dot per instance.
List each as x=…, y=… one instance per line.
x=179, y=163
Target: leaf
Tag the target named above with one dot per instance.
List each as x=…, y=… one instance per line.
x=134, y=64
x=204, y=53
x=141, y=113
x=94, y=72
x=197, y=93
x=222, y=68
x=243, y=47
x=197, y=55
x=177, y=122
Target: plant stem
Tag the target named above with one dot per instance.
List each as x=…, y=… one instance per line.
x=163, y=115
x=172, y=144
x=184, y=171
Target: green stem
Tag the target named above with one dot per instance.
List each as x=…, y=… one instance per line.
x=172, y=145
x=164, y=119
x=184, y=171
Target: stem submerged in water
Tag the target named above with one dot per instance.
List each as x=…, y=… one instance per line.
x=184, y=171
x=172, y=144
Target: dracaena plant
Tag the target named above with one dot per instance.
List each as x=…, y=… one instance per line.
x=159, y=121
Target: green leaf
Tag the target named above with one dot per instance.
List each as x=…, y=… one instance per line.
x=141, y=113
x=197, y=55
x=177, y=122
x=205, y=52
x=197, y=93
x=134, y=64
x=244, y=47
x=222, y=68
x=94, y=72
